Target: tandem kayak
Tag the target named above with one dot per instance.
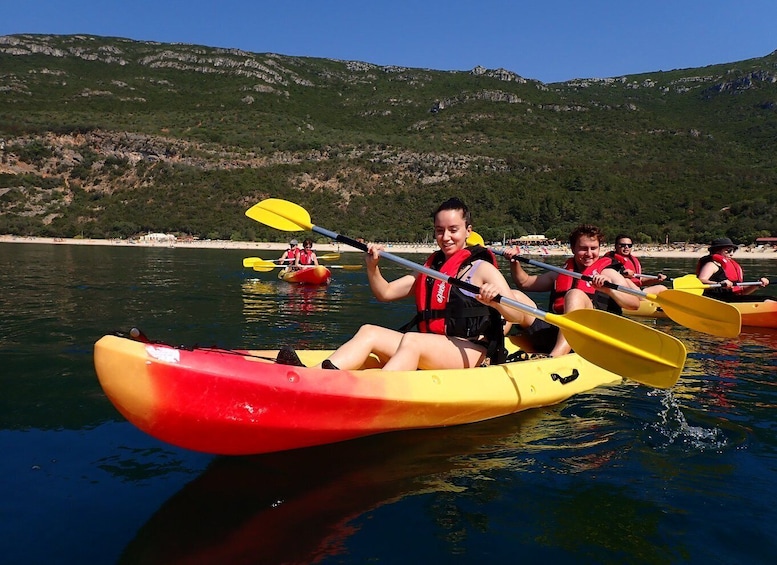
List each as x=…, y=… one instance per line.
x=230, y=402
x=755, y=314
x=317, y=274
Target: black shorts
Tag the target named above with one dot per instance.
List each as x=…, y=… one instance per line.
x=542, y=336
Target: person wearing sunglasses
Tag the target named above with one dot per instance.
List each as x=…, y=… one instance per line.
x=632, y=267
x=306, y=256
x=719, y=267
x=289, y=257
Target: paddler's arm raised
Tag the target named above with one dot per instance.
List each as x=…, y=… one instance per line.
x=384, y=290
x=525, y=281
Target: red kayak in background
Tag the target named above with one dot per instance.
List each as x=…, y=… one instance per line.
x=317, y=274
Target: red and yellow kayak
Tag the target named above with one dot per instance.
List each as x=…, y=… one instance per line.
x=754, y=314
x=317, y=274
x=242, y=402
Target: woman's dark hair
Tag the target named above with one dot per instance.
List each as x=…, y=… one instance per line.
x=455, y=204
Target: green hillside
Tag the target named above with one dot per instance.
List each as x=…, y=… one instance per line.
x=109, y=137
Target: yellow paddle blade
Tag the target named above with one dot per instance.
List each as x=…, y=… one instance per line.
x=475, y=239
x=248, y=262
x=699, y=313
x=265, y=266
x=280, y=214
x=689, y=284
x=328, y=257
x=647, y=356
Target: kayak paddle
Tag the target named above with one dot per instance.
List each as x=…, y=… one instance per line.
x=645, y=355
x=476, y=239
x=267, y=266
x=692, y=282
x=698, y=313
x=248, y=262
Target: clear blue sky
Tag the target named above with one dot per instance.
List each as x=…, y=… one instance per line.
x=548, y=40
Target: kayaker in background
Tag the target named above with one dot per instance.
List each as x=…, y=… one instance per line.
x=306, y=256
x=456, y=329
x=632, y=267
x=718, y=266
x=568, y=293
x=289, y=257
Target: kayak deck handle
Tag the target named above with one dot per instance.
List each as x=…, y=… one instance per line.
x=565, y=380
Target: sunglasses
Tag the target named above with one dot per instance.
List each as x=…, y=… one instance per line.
x=625, y=245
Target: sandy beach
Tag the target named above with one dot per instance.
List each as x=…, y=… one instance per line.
x=690, y=251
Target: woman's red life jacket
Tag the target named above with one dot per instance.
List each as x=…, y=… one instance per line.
x=445, y=309
x=305, y=256
x=729, y=270
x=437, y=300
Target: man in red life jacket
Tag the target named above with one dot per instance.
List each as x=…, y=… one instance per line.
x=719, y=267
x=632, y=267
x=568, y=293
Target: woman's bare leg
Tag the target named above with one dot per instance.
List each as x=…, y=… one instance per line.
x=381, y=341
x=434, y=351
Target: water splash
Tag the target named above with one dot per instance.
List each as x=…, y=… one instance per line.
x=673, y=428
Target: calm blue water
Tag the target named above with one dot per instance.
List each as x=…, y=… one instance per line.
x=622, y=474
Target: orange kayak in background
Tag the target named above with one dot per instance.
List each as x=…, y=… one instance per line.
x=754, y=314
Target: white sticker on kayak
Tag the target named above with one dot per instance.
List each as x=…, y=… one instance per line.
x=165, y=354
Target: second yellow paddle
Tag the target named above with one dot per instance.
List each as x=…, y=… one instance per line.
x=690, y=310
x=249, y=262
x=692, y=283
x=267, y=266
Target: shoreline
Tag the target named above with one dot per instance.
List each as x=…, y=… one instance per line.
x=691, y=251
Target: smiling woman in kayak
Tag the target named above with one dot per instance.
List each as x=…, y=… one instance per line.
x=306, y=256
x=456, y=329
x=718, y=267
